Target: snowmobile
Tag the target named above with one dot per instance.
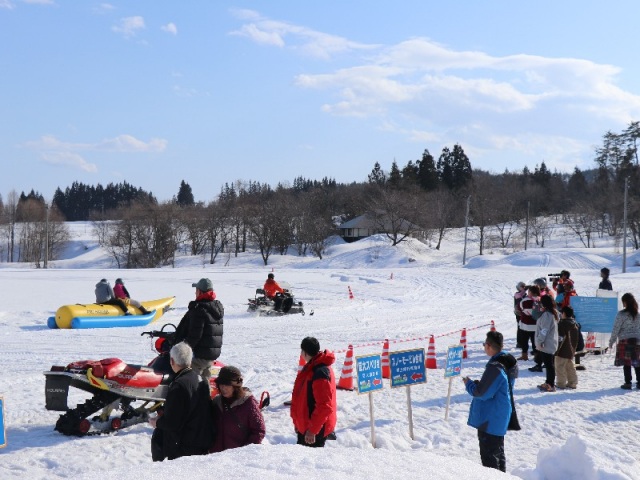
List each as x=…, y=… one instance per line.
x=264, y=306
x=134, y=391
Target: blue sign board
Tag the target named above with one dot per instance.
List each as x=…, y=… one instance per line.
x=453, y=364
x=369, y=368
x=595, y=314
x=407, y=368
x=3, y=438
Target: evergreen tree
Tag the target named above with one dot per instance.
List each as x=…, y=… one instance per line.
x=185, y=195
x=427, y=172
x=377, y=176
x=395, y=177
x=445, y=168
x=461, y=167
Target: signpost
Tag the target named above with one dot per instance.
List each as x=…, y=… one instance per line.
x=452, y=368
x=369, y=369
x=3, y=437
x=595, y=314
x=407, y=367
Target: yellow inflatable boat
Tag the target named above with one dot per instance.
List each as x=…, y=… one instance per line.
x=105, y=316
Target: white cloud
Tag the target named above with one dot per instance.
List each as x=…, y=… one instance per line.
x=7, y=4
x=310, y=42
x=57, y=152
x=39, y=2
x=69, y=159
x=129, y=26
x=121, y=143
x=128, y=143
x=170, y=28
x=103, y=8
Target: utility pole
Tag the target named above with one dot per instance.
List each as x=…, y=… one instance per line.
x=46, y=238
x=624, y=222
x=526, y=228
x=466, y=228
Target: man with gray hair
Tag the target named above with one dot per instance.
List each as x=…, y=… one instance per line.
x=185, y=428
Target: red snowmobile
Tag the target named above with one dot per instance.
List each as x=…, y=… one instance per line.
x=116, y=386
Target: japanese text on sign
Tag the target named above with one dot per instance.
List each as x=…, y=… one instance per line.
x=407, y=367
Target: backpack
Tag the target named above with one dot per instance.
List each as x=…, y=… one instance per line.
x=507, y=362
x=580, y=346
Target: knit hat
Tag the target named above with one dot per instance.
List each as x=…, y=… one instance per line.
x=204, y=285
x=271, y=275
x=229, y=376
x=310, y=346
x=119, y=281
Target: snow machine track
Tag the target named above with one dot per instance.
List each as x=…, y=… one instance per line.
x=76, y=421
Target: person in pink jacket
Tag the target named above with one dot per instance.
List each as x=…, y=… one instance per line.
x=120, y=291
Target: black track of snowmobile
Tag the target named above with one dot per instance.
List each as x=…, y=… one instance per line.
x=69, y=422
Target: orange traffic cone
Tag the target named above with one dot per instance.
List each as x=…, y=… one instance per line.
x=431, y=354
x=493, y=326
x=386, y=369
x=350, y=293
x=463, y=342
x=591, y=341
x=346, y=377
x=301, y=363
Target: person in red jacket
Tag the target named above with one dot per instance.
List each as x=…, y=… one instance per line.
x=273, y=291
x=313, y=401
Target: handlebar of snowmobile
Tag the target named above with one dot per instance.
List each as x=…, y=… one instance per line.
x=160, y=333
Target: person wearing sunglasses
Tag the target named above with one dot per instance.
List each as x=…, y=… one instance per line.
x=492, y=405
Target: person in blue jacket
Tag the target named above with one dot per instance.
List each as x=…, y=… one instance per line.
x=490, y=409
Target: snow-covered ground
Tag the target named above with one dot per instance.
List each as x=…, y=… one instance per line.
x=401, y=293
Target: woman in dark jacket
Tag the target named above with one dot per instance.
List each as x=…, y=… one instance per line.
x=237, y=417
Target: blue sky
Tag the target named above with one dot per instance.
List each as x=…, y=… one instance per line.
x=154, y=92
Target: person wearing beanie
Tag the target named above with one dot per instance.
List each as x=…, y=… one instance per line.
x=121, y=292
x=237, y=418
x=185, y=427
x=313, y=401
x=105, y=296
x=491, y=408
x=201, y=328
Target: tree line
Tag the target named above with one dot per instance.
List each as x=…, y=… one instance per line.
x=424, y=198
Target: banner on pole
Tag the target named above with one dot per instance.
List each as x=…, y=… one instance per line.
x=3, y=437
x=453, y=365
x=369, y=368
x=407, y=367
x=595, y=314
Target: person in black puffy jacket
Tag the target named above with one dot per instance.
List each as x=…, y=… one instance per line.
x=186, y=425
x=201, y=328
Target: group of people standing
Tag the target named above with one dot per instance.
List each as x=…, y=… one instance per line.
x=546, y=319
x=194, y=424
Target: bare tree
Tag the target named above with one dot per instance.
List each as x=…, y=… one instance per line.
x=541, y=228
x=583, y=222
x=394, y=213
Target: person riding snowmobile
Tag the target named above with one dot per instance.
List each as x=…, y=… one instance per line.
x=274, y=292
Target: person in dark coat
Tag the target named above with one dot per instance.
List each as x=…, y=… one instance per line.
x=201, y=328
x=490, y=409
x=566, y=376
x=185, y=426
x=605, y=284
x=313, y=401
x=237, y=418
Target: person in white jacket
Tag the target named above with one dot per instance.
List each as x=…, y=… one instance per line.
x=546, y=339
